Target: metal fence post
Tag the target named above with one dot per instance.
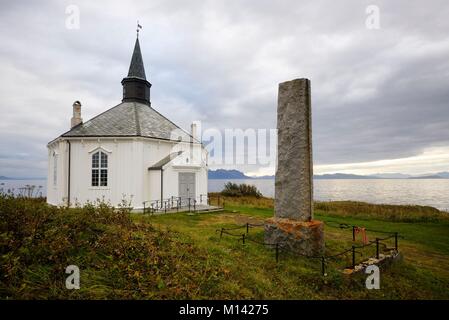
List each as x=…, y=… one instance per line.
x=353, y=257
x=353, y=233
x=377, y=248
x=243, y=238
x=396, y=241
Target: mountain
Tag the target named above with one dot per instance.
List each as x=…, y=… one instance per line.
x=226, y=174
x=235, y=174
x=391, y=175
x=263, y=177
x=443, y=175
x=26, y=178
x=428, y=177
x=342, y=176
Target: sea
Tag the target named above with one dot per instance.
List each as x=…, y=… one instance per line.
x=426, y=192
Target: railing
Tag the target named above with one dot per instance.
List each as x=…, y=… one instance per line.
x=178, y=203
x=204, y=199
x=217, y=200
x=324, y=259
x=163, y=205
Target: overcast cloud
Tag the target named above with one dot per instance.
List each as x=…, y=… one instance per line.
x=376, y=94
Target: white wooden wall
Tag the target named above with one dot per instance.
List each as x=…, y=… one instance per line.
x=128, y=174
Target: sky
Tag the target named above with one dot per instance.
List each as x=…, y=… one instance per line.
x=380, y=95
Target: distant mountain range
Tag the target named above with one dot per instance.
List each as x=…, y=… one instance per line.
x=9, y=178
x=235, y=174
x=226, y=174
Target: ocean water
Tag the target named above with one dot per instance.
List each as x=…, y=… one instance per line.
x=34, y=188
x=427, y=192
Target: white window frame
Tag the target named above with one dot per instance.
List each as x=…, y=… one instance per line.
x=91, y=152
x=100, y=168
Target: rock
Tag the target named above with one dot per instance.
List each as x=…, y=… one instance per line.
x=293, y=184
x=303, y=237
x=293, y=226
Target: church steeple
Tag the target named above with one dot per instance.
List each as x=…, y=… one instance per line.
x=135, y=85
x=136, y=68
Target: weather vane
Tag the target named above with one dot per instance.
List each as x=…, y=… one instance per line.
x=138, y=27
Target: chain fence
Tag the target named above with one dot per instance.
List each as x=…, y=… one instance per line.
x=325, y=259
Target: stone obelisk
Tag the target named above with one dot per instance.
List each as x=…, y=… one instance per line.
x=293, y=225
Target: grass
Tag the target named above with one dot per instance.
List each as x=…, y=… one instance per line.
x=425, y=249
x=179, y=256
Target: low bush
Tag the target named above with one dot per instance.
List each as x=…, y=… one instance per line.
x=238, y=190
x=117, y=257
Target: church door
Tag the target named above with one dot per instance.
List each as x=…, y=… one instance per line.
x=186, y=187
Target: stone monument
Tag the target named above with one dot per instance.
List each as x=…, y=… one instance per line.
x=292, y=225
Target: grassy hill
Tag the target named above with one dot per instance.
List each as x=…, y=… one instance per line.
x=178, y=256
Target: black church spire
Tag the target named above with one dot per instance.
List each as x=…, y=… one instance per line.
x=136, y=68
x=135, y=85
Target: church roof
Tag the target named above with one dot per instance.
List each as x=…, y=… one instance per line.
x=134, y=117
x=136, y=68
x=161, y=163
x=130, y=119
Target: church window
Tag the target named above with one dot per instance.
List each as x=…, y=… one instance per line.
x=99, y=169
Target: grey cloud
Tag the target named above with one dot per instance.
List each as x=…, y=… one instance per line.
x=378, y=94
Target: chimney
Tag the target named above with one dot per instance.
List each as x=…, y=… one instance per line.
x=76, y=119
x=193, y=130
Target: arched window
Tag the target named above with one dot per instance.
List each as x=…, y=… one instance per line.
x=99, y=169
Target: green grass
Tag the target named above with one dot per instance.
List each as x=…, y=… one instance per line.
x=422, y=274
x=179, y=256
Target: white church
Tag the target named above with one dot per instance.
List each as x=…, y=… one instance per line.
x=130, y=152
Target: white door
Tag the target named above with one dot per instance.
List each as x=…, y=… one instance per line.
x=186, y=187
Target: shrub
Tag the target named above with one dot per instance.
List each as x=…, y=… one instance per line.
x=118, y=258
x=238, y=190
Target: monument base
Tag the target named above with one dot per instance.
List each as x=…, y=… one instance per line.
x=303, y=237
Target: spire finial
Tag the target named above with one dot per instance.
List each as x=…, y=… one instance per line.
x=138, y=27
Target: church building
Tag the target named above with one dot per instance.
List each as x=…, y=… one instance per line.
x=128, y=153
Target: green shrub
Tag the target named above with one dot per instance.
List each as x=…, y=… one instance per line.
x=117, y=257
x=239, y=190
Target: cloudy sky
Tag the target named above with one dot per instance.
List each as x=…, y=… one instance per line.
x=380, y=97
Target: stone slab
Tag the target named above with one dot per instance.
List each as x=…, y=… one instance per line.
x=294, y=171
x=385, y=259
x=303, y=237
